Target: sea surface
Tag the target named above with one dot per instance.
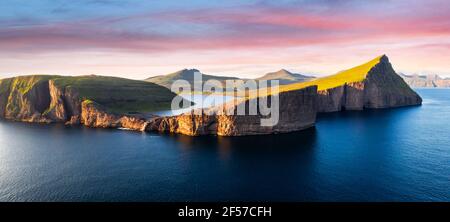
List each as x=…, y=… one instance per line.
x=398, y=154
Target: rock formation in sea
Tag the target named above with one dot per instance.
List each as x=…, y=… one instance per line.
x=107, y=102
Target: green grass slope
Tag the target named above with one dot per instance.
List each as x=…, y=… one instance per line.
x=118, y=95
x=185, y=74
x=285, y=77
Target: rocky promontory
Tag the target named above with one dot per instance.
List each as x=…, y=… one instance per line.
x=297, y=111
x=381, y=88
x=90, y=100
x=372, y=85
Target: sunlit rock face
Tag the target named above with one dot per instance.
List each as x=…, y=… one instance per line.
x=93, y=115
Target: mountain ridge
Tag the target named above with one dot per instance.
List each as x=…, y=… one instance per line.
x=185, y=74
x=285, y=77
x=427, y=81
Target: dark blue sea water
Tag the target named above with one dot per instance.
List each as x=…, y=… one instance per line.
x=382, y=155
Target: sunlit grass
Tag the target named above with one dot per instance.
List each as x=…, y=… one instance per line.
x=355, y=74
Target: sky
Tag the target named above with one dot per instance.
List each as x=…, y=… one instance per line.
x=138, y=39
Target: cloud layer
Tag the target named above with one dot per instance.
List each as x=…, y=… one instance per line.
x=136, y=38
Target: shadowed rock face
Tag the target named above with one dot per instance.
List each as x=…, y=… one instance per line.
x=382, y=88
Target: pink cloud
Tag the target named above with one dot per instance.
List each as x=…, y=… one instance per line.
x=260, y=28
x=265, y=29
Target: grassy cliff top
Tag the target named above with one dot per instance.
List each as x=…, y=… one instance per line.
x=116, y=94
x=355, y=74
x=119, y=94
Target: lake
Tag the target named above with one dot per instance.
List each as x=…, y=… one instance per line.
x=398, y=154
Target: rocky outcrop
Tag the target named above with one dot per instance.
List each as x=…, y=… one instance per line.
x=297, y=111
x=5, y=89
x=65, y=104
x=382, y=88
x=94, y=115
x=51, y=99
x=28, y=98
x=385, y=89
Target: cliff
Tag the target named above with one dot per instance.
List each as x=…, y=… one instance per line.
x=108, y=102
x=297, y=111
x=95, y=115
x=372, y=85
x=25, y=98
x=50, y=99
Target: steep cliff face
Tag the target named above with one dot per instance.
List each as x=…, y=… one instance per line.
x=330, y=100
x=381, y=88
x=47, y=99
x=65, y=104
x=297, y=111
x=5, y=89
x=385, y=89
x=37, y=99
x=28, y=98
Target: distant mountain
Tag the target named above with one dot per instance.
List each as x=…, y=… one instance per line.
x=285, y=77
x=430, y=80
x=185, y=74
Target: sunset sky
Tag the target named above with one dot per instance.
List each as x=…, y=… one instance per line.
x=138, y=39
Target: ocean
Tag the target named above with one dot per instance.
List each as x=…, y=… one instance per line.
x=400, y=154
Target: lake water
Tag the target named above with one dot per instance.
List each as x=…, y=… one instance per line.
x=199, y=101
x=380, y=155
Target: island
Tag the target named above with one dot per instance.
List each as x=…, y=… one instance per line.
x=109, y=102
